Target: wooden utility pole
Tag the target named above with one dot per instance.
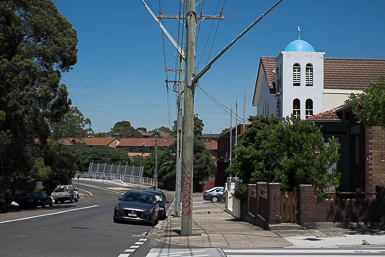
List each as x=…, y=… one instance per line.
x=188, y=124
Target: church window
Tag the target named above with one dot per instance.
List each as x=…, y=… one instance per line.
x=296, y=74
x=309, y=108
x=309, y=75
x=297, y=108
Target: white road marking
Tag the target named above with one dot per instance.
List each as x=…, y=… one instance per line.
x=49, y=214
x=129, y=250
x=124, y=255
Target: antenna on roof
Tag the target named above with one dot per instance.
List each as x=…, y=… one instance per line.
x=299, y=33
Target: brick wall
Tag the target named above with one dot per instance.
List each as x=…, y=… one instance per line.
x=375, y=162
x=274, y=198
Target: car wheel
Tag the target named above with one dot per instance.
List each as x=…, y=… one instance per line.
x=116, y=220
x=43, y=205
x=56, y=201
x=214, y=199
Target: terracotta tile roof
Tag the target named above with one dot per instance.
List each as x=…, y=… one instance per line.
x=164, y=142
x=91, y=141
x=211, y=145
x=328, y=115
x=352, y=74
x=268, y=64
x=348, y=74
x=331, y=114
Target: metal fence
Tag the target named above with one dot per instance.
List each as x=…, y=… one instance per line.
x=126, y=173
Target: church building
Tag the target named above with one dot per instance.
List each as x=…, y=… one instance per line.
x=302, y=82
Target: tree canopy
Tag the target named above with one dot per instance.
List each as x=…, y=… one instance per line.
x=369, y=106
x=289, y=152
x=37, y=44
x=125, y=130
x=73, y=124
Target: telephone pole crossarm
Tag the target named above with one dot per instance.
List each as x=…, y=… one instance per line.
x=178, y=48
x=208, y=66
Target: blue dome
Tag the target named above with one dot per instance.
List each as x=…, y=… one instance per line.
x=299, y=46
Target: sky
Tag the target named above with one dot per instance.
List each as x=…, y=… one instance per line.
x=120, y=73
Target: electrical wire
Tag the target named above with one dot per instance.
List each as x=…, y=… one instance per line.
x=226, y=109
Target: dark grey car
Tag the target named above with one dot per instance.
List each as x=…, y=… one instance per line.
x=137, y=206
x=162, y=201
x=214, y=194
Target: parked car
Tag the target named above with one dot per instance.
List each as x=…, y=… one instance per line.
x=214, y=194
x=161, y=199
x=3, y=206
x=137, y=206
x=34, y=199
x=63, y=193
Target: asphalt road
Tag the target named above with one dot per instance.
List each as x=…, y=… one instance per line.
x=84, y=228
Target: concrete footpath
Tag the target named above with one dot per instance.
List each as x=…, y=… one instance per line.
x=212, y=226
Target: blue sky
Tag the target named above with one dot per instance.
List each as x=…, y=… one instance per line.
x=120, y=73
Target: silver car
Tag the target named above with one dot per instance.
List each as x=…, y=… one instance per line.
x=214, y=194
x=137, y=206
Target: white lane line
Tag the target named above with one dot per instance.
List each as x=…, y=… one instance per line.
x=49, y=214
x=135, y=246
x=85, y=191
x=129, y=250
x=124, y=255
x=139, y=243
x=302, y=251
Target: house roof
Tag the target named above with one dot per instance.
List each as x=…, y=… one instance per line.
x=268, y=64
x=331, y=114
x=348, y=74
x=90, y=141
x=164, y=142
x=212, y=146
x=352, y=74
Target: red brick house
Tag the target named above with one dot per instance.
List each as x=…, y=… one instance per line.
x=362, y=153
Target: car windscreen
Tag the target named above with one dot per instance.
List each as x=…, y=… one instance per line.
x=30, y=195
x=139, y=198
x=159, y=198
x=59, y=189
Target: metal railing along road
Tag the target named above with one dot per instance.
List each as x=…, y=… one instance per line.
x=126, y=173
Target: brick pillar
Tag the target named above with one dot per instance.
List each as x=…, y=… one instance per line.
x=274, y=198
x=250, y=188
x=306, y=206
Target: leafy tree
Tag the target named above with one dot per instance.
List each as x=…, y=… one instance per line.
x=139, y=161
x=224, y=131
x=198, y=127
x=369, y=106
x=289, y=152
x=100, y=135
x=98, y=154
x=125, y=130
x=161, y=130
x=37, y=44
x=73, y=124
x=41, y=171
x=167, y=162
x=141, y=129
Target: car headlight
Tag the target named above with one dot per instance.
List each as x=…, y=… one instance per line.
x=118, y=207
